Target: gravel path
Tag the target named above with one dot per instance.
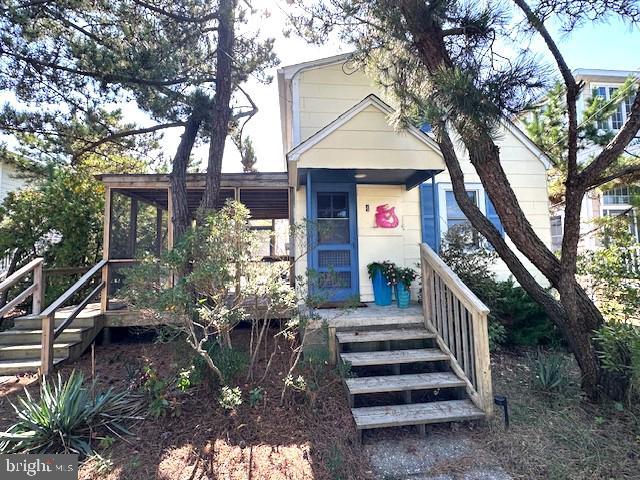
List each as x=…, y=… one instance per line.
x=441, y=455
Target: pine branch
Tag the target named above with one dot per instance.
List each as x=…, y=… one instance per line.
x=623, y=172
x=177, y=16
x=126, y=133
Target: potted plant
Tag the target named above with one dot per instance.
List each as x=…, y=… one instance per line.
x=404, y=278
x=382, y=275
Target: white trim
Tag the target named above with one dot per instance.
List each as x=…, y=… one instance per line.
x=295, y=110
x=369, y=100
x=596, y=72
x=290, y=71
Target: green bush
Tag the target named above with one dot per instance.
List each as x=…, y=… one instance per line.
x=618, y=347
x=232, y=363
x=66, y=418
x=230, y=398
x=515, y=318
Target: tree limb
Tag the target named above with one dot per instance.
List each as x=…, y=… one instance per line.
x=126, y=133
x=177, y=16
x=623, y=172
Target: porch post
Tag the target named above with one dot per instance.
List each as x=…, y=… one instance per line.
x=170, y=228
x=106, y=247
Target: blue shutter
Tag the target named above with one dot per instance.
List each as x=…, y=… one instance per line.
x=492, y=215
x=429, y=212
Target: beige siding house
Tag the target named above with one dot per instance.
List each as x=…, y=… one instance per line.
x=345, y=163
x=596, y=204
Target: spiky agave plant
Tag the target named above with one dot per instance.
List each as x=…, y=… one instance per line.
x=66, y=418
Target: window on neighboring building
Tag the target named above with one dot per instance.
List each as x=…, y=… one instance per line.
x=616, y=121
x=455, y=217
x=631, y=215
x=556, y=232
x=620, y=195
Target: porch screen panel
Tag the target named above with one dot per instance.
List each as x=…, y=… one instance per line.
x=333, y=218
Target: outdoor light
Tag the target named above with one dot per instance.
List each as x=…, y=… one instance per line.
x=360, y=175
x=502, y=401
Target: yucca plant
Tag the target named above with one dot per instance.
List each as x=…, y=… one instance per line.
x=550, y=372
x=67, y=417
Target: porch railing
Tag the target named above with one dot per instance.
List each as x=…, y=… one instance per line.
x=49, y=331
x=35, y=290
x=459, y=320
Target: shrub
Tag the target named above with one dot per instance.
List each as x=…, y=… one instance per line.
x=232, y=363
x=230, y=398
x=66, y=419
x=156, y=389
x=256, y=395
x=550, y=372
x=618, y=347
x=515, y=318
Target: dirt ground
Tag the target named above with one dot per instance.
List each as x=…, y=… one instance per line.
x=560, y=436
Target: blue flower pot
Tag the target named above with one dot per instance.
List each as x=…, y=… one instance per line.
x=381, y=291
x=403, y=295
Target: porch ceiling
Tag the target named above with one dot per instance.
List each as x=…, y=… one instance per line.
x=410, y=178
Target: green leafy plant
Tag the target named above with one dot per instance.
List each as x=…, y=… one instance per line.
x=230, y=398
x=156, y=389
x=386, y=268
x=618, y=347
x=256, y=395
x=405, y=275
x=232, y=363
x=185, y=379
x=550, y=372
x=66, y=418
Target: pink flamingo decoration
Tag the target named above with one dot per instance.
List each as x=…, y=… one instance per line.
x=386, y=217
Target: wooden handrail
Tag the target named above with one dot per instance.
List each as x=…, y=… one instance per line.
x=459, y=319
x=35, y=289
x=49, y=332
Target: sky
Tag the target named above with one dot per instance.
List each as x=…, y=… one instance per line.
x=608, y=46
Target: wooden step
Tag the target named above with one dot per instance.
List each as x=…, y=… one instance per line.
x=13, y=352
x=30, y=323
x=416, y=414
x=26, y=337
x=402, y=383
x=14, y=367
x=394, y=357
x=383, y=335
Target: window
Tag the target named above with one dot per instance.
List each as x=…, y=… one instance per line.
x=333, y=218
x=620, y=195
x=556, y=232
x=455, y=218
x=632, y=216
x=616, y=121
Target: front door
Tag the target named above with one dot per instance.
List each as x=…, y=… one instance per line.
x=334, y=241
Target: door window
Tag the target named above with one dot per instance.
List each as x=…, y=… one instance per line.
x=333, y=218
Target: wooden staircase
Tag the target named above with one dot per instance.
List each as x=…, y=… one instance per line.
x=49, y=337
x=418, y=369
x=21, y=347
x=406, y=375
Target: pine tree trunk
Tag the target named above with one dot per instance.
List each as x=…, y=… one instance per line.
x=178, y=178
x=222, y=112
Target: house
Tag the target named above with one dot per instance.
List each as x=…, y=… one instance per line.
x=614, y=202
x=341, y=150
x=366, y=193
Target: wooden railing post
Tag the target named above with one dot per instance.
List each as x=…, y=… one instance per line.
x=38, y=292
x=482, y=360
x=46, y=356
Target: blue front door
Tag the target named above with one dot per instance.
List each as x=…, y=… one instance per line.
x=334, y=241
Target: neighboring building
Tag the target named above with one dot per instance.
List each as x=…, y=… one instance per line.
x=10, y=179
x=596, y=204
x=348, y=165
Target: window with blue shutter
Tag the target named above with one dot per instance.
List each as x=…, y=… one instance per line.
x=429, y=212
x=492, y=215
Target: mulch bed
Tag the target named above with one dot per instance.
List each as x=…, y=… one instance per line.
x=200, y=440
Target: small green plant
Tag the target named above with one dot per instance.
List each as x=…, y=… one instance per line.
x=185, y=379
x=296, y=383
x=497, y=333
x=550, y=372
x=230, y=398
x=156, y=389
x=67, y=418
x=256, y=396
x=101, y=464
x=405, y=275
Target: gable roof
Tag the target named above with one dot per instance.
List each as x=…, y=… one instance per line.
x=369, y=101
